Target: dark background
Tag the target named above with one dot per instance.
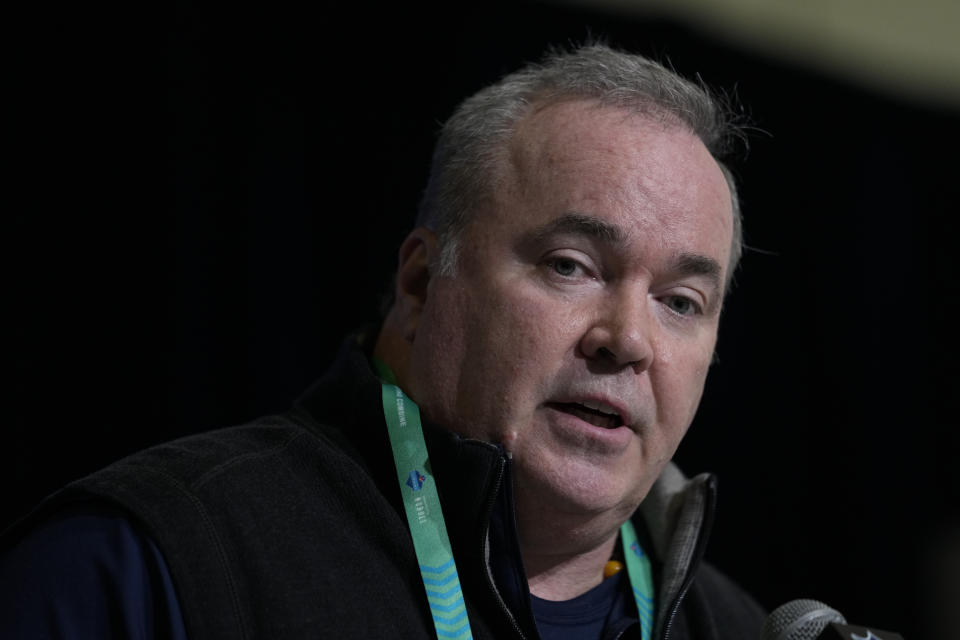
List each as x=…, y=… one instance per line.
x=207, y=197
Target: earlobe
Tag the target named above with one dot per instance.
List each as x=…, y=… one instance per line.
x=416, y=255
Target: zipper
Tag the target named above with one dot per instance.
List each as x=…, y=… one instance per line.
x=488, y=509
x=676, y=608
x=697, y=557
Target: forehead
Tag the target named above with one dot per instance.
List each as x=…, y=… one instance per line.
x=647, y=174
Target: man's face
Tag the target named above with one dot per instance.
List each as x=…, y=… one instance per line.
x=581, y=321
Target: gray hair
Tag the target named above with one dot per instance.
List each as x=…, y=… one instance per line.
x=473, y=141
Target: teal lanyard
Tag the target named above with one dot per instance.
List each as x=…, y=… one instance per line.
x=429, y=532
x=641, y=577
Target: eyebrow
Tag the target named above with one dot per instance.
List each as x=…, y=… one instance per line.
x=692, y=264
x=580, y=224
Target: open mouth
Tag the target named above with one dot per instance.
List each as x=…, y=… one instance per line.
x=594, y=416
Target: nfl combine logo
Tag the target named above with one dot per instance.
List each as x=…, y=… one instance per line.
x=416, y=480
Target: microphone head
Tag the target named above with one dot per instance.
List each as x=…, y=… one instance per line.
x=800, y=620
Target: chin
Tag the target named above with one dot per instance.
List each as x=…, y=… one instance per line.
x=582, y=490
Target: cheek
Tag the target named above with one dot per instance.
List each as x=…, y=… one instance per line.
x=438, y=354
x=519, y=339
x=682, y=375
x=531, y=326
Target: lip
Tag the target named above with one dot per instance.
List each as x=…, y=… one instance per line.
x=585, y=435
x=607, y=403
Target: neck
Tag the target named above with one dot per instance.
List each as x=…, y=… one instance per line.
x=556, y=571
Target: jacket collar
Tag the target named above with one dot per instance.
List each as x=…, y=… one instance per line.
x=678, y=514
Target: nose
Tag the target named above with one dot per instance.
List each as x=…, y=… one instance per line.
x=621, y=334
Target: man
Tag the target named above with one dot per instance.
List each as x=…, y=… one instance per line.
x=554, y=317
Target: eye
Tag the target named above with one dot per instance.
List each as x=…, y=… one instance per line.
x=565, y=266
x=569, y=267
x=683, y=306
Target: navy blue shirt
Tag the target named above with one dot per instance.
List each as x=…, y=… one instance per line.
x=87, y=574
x=603, y=612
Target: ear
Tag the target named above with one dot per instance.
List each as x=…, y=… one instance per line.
x=416, y=256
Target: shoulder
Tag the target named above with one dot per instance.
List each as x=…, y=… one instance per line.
x=181, y=470
x=217, y=505
x=189, y=489
x=198, y=458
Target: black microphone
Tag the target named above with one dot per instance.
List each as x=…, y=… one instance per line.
x=813, y=620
